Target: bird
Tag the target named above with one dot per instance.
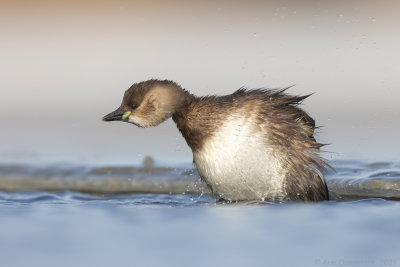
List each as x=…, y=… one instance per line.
x=251, y=145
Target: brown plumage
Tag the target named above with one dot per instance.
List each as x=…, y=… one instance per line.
x=224, y=132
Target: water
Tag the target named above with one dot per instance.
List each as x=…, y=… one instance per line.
x=349, y=180
x=68, y=214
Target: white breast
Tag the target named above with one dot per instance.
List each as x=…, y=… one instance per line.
x=238, y=164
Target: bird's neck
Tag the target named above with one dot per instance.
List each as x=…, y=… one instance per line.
x=180, y=117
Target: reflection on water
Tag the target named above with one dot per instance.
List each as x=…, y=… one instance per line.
x=176, y=226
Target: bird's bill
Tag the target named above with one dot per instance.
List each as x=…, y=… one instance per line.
x=117, y=115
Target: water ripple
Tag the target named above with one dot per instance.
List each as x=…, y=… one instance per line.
x=63, y=183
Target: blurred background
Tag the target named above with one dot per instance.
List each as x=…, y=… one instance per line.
x=65, y=64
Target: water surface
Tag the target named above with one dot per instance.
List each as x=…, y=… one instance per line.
x=66, y=214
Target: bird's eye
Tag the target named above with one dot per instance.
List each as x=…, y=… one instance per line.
x=133, y=106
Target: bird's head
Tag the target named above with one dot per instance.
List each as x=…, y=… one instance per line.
x=149, y=103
